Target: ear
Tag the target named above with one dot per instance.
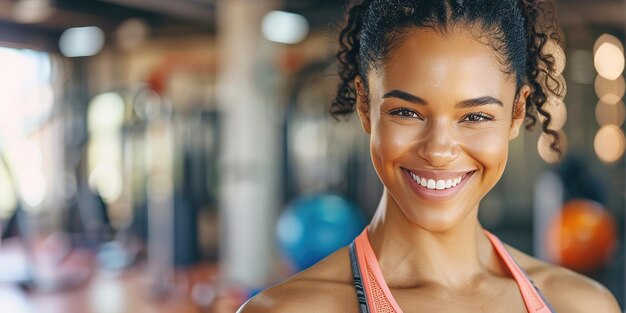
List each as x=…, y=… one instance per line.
x=362, y=104
x=519, y=112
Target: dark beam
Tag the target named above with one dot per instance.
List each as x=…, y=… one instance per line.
x=198, y=12
x=27, y=36
x=576, y=12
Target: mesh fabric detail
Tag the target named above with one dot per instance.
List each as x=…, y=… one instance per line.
x=381, y=303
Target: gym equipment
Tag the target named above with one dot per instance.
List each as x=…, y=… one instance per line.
x=312, y=227
x=582, y=237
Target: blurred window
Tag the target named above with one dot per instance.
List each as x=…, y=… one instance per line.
x=26, y=103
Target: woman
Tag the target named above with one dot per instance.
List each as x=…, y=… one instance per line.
x=441, y=87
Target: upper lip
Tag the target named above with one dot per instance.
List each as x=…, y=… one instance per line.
x=438, y=175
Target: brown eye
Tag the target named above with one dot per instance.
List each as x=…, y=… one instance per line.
x=477, y=117
x=405, y=113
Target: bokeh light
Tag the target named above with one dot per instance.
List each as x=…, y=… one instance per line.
x=285, y=27
x=81, y=41
x=556, y=84
x=610, y=114
x=553, y=48
x=107, y=180
x=610, y=91
x=609, y=143
x=8, y=200
x=148, y=104
x=26, y=160
x=558, y=112
x=545, y=152
x=33, y=189
x=106, y=112
x=105, y=117
x=608, y=57
x=31, y=11
x=607, y=38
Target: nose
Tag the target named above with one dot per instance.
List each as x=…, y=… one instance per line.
x=438, y=145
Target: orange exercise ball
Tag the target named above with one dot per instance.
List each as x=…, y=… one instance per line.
x=582, y=237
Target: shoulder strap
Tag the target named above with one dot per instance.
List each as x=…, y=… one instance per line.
x=358, y=282
x=534, y=299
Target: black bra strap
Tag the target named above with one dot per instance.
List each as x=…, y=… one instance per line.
x=358, y=282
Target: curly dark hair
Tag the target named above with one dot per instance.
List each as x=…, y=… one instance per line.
x=518, y=30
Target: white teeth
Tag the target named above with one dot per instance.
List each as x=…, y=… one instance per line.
x=441, y=185
x=436, y=184
x=431, y=184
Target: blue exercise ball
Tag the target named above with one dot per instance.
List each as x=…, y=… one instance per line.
x=312, y=227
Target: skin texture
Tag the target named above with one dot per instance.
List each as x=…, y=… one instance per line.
x=455, y=268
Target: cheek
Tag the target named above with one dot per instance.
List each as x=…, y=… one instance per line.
x=489, y=147
x=390, y=142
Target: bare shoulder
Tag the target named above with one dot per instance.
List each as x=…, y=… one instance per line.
x=324, y=287
x=566, y=290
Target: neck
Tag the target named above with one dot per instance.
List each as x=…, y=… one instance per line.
x=410, y=255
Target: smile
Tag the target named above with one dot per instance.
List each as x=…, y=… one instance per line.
x=436, y=185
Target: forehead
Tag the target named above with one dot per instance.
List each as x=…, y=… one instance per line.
x=455, y=63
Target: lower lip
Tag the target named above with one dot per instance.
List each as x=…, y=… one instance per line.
x=435, y=194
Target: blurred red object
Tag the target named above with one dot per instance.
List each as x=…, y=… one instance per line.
x=582, y=237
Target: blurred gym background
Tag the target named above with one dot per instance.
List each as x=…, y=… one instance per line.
x=177, y=156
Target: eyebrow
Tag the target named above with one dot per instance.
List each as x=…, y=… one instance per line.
x=484, y=100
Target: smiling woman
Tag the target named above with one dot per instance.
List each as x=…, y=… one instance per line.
x=441, y=87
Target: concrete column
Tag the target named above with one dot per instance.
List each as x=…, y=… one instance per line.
x=249, y=149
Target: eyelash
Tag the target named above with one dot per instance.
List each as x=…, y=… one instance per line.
x=482, y=116
x=478, y=117
x=405, y=113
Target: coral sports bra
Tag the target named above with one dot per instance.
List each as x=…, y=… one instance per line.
x=374, y=295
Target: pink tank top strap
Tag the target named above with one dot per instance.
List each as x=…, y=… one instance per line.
x=534, y=301
x=376, y=289
x=380, y=300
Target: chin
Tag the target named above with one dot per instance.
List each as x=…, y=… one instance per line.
x=437, y=219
